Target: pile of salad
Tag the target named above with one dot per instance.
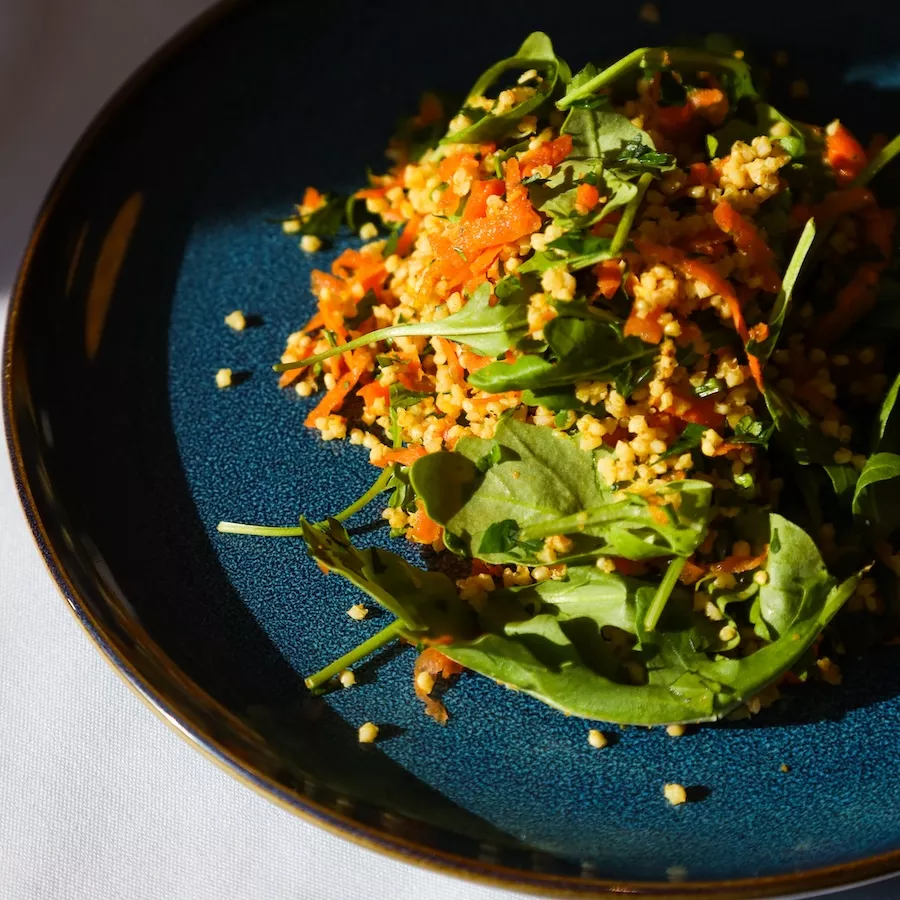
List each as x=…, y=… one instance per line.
x=619, y=343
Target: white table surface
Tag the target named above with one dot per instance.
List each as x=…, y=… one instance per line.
x=98, y=799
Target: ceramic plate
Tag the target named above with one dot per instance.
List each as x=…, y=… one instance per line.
x=127, y=455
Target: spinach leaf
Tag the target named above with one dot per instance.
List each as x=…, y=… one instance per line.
x=734, y=74
x=887, y=429
x=488, y=330
x=605, y=135
x=585, y=349
x=426, y=602
x=536, y=52
x=763, y=349
x=546, y=485
x=559, y=654
x=876, y=500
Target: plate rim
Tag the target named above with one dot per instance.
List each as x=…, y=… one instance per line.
x=805, y=883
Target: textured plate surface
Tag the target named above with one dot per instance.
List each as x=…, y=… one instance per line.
x=128, y=455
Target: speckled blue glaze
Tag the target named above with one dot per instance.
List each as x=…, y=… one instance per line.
x=138, y=455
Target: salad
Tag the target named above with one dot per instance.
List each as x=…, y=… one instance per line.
x=619, y=344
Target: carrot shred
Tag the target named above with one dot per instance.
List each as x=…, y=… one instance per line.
x=437, y=665
x=711, y=103
x=372, y=391
x=333, y=399
x=647, y=329
x=586, y=197
x=698, y=411
x=406, y=456
x=449, y=349
x=312, y=199
x=739, y=563
x=472, y=362
x=853, y=301
x=748, y=241
x=549, y=153
x=408, y=235
x=424, y=529
x=609, y=277
x=844, y=153
x=476, y=206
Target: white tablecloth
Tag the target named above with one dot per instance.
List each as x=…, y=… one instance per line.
x=98, y=799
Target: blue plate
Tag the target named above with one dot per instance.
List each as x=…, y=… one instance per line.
x=127, y=455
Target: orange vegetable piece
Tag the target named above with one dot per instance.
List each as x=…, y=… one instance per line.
x=609, y=277
x=647, y=329
x=476, y=207
x=373, y=391
x=586, y=197
x=740, y=563
x=437, y=665
x=405, y=456
x=550, y=153
x=711, y=103
x=749, y=241
x=424, y=529
x=312, y=199
x=360, y=360
x=409, y=234
x=844, y=153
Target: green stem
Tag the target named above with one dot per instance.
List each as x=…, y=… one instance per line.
x=676, y=56
x=260, y=530
x=378, y=486
x=412, y=329
x=878, y=162
x=606, y=77
x=624, y=227
x=663, y=592
x=385, y=636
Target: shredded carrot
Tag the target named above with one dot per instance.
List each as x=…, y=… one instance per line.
x=451, y=164
x=408, y=235
x=844, y=153
x=647, y=329
x=749, y=241
x=549, y=153
x=739, y=563
x=609, y=277
x=692, y=572
x=373, y=391
x=312, y=199
x=675, y=121
x=360, y=361
x=449, y=349
x=424, y=530
x=405, y=456
x=435, y=664
x=711, y=103
x=472, y=362
x=586, y=197
x=698, y=411
x=372, y=193
x=853, y=301
x=476, y=206
x=315, y=322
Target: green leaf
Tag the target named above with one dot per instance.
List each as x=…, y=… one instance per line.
x=403, y=398
x=763, y=349
x=485, y=329
x=426, y=602
x=585, y=349
x=546, y=485
x=560, y=656
x=876, y=500
x=536, y=52
x=605, y=135
x=887, y=434
x=561, y=400
x=689, y=439
x=753, y=431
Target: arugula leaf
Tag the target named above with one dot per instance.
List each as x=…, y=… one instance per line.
x=763, y=349
x=536, y=52
x=689, y=439
x=585, y=350
x=881, y=159
x=425, y=602
x=324, y=222
x=887, y=429
x=605, y=135
x=546, y=485
x=559, y=655
x=487, y=330
x=734, y=73
x=879, y=507
x=753, y=431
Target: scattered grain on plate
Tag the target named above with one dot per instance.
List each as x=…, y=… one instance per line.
x=290, y=226
x=675, y=794
x=785, y=768
x=236, y=320
x=223, y=378
x=650, y=14
x=368, y=733
x=369, y=231
x=358, y=612
x=309, y=243
x=675, y=730
x=347, y=678
x=597, y=739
